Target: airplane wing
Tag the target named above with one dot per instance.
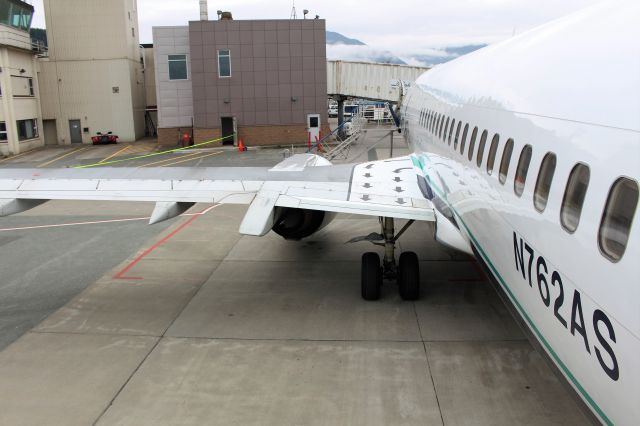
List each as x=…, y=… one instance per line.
x=386, y=188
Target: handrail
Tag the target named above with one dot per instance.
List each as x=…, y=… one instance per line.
x=334, y=131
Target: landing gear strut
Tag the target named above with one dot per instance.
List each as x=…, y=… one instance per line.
x=406, y=272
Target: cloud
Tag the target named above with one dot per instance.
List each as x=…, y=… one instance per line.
x=360, y=53
x=401, y=27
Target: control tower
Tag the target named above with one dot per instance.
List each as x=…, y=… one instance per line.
x=20, y=121
x=93, y=79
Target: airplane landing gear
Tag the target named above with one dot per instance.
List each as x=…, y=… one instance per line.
x=371, y=279
x=406, y=272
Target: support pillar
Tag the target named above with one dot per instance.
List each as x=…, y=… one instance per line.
x=391, y=143
x=340, y=115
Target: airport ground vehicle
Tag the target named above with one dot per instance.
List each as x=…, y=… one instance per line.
x=108, y=138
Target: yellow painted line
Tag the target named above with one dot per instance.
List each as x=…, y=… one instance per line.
x=194, y=158
x=138, y=148
x=16, y=156
x=171, y=159
x=86, y=166
x=114, y=154
x=63, y=156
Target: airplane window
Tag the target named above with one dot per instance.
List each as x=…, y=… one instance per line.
x=464, y=137
x=483, y=142
x=523, y=169
x=446, y=127
x=453, y=124
x=455, y=140
x=574, y=195
x=472, y=142
x=440, y=129
x=506, y=161
x=543, y=184
x=435, y=129
x=617, y=218
x=429, y=119
x=493, y=150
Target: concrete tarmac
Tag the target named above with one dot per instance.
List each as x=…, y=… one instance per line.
x=192, y=323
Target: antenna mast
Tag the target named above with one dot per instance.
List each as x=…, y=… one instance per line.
x=293, y=11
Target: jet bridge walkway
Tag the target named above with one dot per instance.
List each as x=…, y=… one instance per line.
x=362, y=80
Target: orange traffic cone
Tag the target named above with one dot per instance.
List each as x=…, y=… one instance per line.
x=241, y=147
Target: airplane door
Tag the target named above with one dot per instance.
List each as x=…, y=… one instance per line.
x=313, y=126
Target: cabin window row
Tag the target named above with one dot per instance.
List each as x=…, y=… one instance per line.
x=620, y=207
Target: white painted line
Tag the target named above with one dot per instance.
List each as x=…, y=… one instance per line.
x=60, y=225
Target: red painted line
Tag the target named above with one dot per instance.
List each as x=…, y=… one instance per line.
x=121, y=275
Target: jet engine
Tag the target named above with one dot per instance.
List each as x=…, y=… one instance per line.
x=296, y=224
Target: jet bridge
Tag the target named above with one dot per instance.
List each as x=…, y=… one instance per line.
x=365, y=80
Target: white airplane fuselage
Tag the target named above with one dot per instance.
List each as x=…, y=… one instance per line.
x=570, y=88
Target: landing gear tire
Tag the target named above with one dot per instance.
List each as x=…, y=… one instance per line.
x=371, y=276
x=409, y=276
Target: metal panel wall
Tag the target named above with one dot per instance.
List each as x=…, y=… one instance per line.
x=278, y=71
x=175, y=99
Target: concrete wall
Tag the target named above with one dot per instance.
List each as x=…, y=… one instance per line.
x=278, y=72
x=96, y=29
x=10, y=36
x=93, y=72
x=100, y=94
x=151, y=99
x=18, y=105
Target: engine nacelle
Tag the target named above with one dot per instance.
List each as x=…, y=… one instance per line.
x=296, y=224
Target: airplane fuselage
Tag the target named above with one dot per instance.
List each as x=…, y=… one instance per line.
x=545, y=104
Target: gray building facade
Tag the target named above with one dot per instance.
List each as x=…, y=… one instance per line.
x=266, y=80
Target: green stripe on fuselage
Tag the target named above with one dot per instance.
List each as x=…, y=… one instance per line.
x=418, y=163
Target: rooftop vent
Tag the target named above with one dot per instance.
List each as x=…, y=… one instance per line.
x=204, y=10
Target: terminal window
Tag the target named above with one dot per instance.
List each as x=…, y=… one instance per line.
x=16, y=14
x=224, y=63
x=177, y=67
x=27, y=129
x=3, y=131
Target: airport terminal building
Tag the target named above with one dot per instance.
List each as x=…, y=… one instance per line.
x=264, y=80
x=20, y=117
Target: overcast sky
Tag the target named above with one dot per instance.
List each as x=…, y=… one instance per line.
x=398, y=26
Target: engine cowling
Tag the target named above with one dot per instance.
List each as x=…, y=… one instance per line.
x=296, y=224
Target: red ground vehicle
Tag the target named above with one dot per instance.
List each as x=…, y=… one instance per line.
x=104, y=139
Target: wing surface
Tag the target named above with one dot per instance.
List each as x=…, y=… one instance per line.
x=378, y=188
